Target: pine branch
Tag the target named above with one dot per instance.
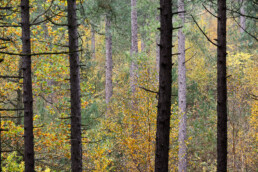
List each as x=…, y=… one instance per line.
x=203, y=32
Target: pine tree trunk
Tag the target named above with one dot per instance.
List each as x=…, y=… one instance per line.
x=221, y=89
x=76, y=143
x=27, y=88
x=157, y=50
x=109, y=63
x=93, y=51
x=134, y=46
x=165, y=83
x=242, y=18
x=182, y=93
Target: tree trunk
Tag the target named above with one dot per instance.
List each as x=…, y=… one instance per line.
x=93, y=51
x=134, y=46
x=242, y=18
x=157, y=50
x=221, y=89
x=109, y=63
x=182, y=93
x=165, y=78
x=27, y=87
x=76, y=143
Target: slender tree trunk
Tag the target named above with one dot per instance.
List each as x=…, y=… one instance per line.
x=182, y=93
x=76, y=143
x=157, y=50
x=109, y=63
x=27, y=88
x=242, y=18
x=165, y=83
x=134, y=46
x=221, y=89
x=93, y=50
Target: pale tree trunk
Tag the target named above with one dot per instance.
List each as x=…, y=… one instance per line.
x=93, y=50
x=157, y=50
x=109, y=62
x=182, y=93
x=27, y=87
x=165, y=83
x=76, y=143
x=221, y=88
x=242, y=18
x=134, y=47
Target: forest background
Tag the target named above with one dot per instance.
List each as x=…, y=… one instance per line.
x=108, y=142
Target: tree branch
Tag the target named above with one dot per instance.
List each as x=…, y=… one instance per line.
x=203, y=32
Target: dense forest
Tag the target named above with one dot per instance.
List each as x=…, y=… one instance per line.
x=128, y=85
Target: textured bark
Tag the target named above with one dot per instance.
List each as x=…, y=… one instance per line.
x=182, y=155
x=109, y=62
x=134, y=45
x=93, y=50
x=165, y=82
x=157, y=50
x=242, y=18
x=27, y=88
x=76, y=143
x=157, y=53
x=221, y=89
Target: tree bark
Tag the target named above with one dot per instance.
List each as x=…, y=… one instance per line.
x=165, y=78
x=93, y=50
x=182, y=155
x=221, y=89
x=134, y=46
x=109, y=62
x=242, y=18
x=27, y=88
x=76, y=143
x=157, y=49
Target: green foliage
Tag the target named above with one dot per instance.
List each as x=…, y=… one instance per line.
x=13, y=163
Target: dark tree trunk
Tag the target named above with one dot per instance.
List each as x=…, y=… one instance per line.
x=27, y=88
x=109, y=63
x=76, y=143
x=165, y=82
x=221, y=89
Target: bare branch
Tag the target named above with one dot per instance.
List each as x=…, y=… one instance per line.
x=6, y=76
x=148, y=90
x=10, y=109
x=35, y=54
x=203, y=32
x=245, y=30
x=178, y=12
x=209, y=12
